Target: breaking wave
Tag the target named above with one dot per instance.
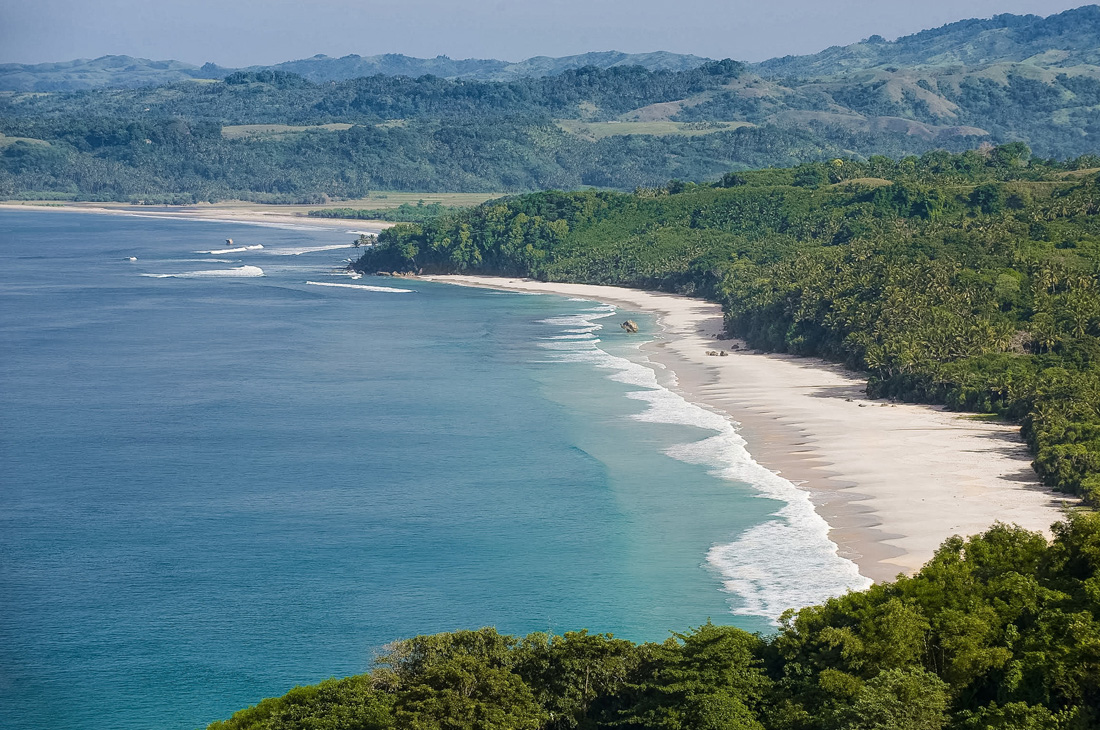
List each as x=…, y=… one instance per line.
x=238, y=249
x=299, y=250
x=245, y=272
x=364, y=287
x=786, y=561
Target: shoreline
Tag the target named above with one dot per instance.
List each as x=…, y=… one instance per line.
x=892, y=480
x=253, y=215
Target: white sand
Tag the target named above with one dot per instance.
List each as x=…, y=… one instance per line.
x=892, y=480
x=270, y=215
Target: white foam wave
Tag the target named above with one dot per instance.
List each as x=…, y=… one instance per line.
x=581, y=322
x=570, y=345
x=200, y=261
x=299, y=250
x=364, y=287
x=787, y=561
x=238, y=249
x=239, y=272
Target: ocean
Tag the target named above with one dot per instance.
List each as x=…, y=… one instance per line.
x=228, y=470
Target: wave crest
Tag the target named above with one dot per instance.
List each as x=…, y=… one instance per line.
x=364, y=287
x=245, y=272
x=786, y=561
x=238, y=249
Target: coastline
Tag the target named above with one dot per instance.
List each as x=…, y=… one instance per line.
x=251, y=214
x=893, y=481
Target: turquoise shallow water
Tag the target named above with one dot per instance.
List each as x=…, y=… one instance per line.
x=216, y=487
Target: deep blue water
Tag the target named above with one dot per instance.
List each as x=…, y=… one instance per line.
x=214, y=488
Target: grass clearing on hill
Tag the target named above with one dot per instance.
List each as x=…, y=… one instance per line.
x=237, y=131
x=5, y=141
x=393, y=200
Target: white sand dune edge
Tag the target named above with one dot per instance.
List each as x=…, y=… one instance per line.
x=892, y=480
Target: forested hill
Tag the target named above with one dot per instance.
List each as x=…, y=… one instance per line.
x=998, y=632
x=970, y=280
x=1064, y=40
x=324, y=68
x=277, y=136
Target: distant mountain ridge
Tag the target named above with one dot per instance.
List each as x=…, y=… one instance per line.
x=129, y=72
x=1064, y=40
x=124, y=72
x=324, y=68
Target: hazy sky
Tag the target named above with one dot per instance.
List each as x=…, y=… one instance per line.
x=245, y=32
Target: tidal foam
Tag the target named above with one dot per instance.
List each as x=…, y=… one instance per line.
x=788, y=561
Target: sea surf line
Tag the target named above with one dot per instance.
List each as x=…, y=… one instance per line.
x=787, y=561
x=299, y=250
x=238, y=249
x=241, y=272
x=362, y=287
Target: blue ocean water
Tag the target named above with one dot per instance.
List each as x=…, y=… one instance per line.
x=215, y=485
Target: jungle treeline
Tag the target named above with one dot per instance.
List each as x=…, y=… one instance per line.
x=970, y=280
x=997, y=632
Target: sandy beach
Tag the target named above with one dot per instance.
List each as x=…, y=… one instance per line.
x=892, y=480
x=226, y=213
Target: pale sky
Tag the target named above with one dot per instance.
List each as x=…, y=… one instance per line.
x=248, y=32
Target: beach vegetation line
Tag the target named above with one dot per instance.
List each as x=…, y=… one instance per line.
x=970, y=280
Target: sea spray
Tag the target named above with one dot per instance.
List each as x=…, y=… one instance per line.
x=789, y=560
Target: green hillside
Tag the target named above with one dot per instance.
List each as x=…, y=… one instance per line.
x=272, y=135
x=275, y=136
x=1064, y=41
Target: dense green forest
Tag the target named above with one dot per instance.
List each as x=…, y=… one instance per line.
x=971, y=280
x=997, y=632
x=271, y=135
x=404, y=213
